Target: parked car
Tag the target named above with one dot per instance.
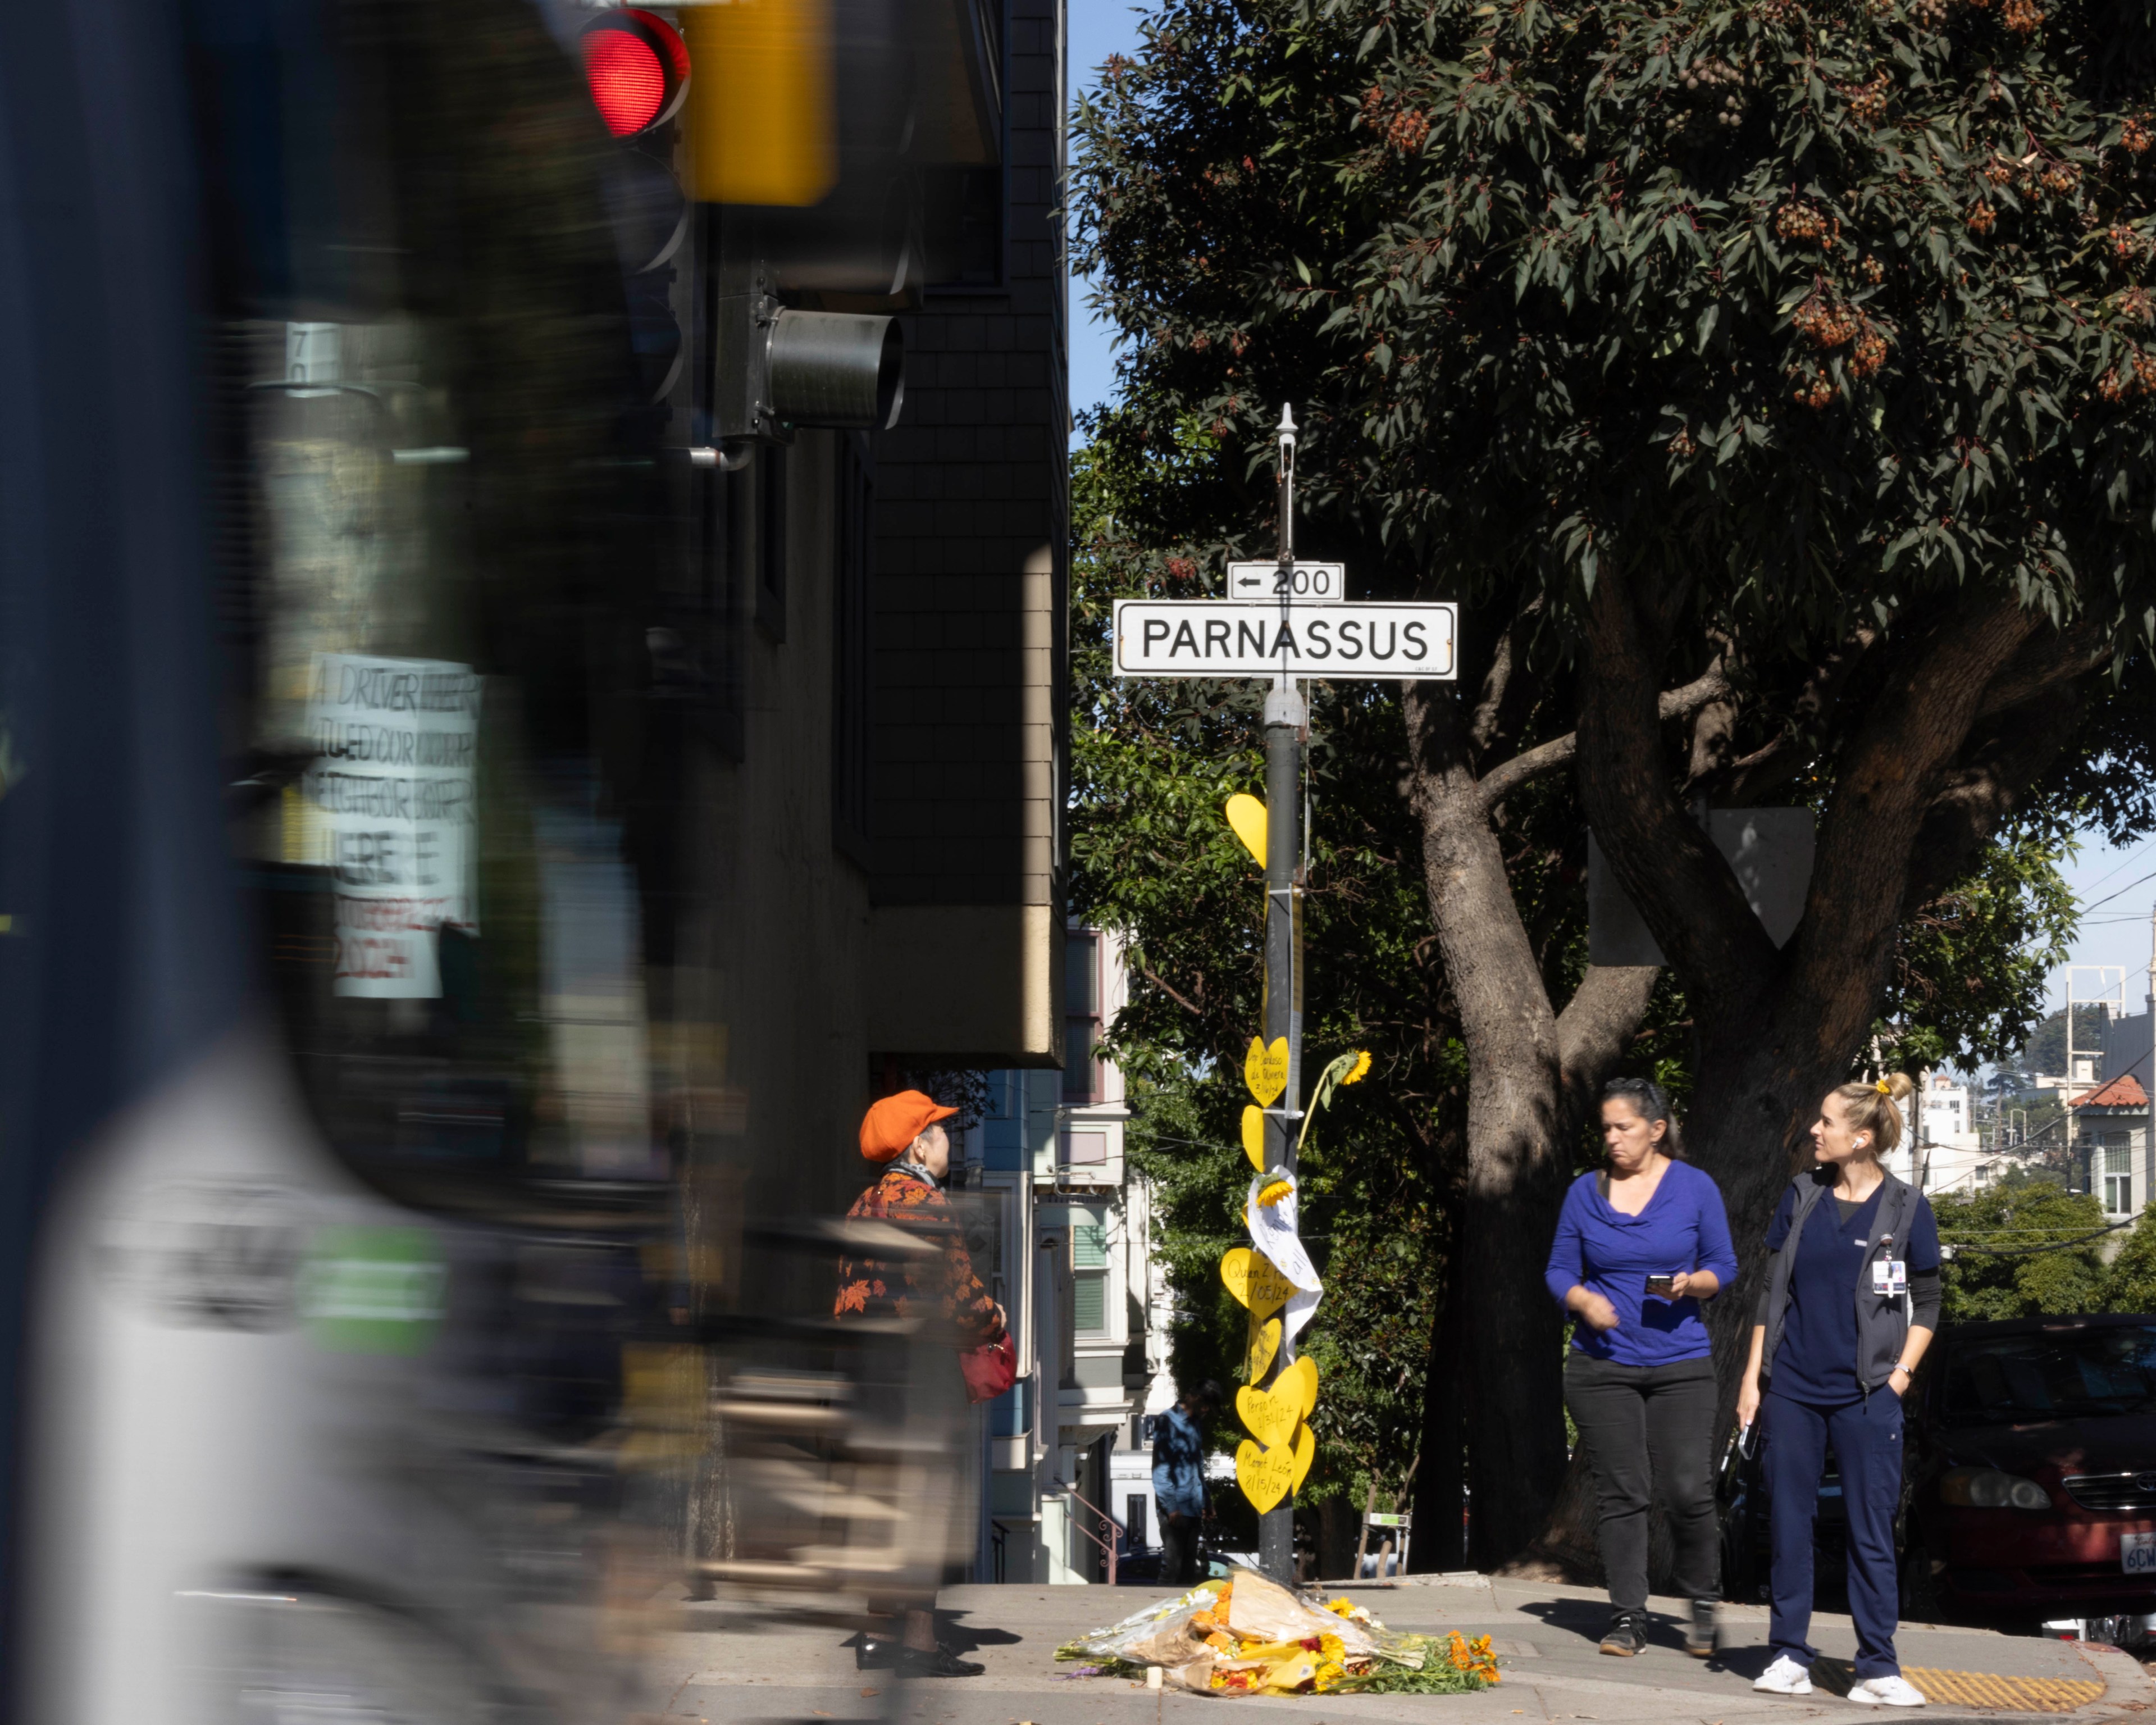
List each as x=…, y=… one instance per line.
x=2031, y=1472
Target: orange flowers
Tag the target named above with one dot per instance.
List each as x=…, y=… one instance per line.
x=1475, y=1657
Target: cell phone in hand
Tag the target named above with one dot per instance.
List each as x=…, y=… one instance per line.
x=1661, y=1283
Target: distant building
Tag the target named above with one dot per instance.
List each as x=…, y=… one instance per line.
x=1944, y=1153
x=2112, y=1145
x=1075, y=1268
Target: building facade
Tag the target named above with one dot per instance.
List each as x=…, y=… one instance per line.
x=2112, y=1145
x=1067, y=1466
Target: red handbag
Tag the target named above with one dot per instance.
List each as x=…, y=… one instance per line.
x=990, y=1369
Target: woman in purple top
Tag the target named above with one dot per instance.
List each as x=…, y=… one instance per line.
x=1638, y=1247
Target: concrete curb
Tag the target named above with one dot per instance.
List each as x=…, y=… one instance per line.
x=2128, y=1689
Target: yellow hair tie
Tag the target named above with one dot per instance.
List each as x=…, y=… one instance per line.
x=1884, y=1088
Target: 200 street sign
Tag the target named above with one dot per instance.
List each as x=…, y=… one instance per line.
x=1231, y=637
x=1306, y=583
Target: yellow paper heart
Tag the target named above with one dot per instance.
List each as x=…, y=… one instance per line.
x=1265, y=1071
x=1306, y=1452
x=1247, y=816
x=1270, y=1418
x=1298, y=1383
x=1254, y=1137
x=1252, y=1278
x=1264, y=1474
x=1264, y=1343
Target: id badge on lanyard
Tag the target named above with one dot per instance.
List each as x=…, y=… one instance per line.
x=1889, y=1277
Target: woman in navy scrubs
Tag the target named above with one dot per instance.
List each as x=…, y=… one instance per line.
x=1638, y=1247
x=1851, y=1302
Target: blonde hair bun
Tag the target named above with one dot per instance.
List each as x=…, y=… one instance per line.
x=1871, y=1107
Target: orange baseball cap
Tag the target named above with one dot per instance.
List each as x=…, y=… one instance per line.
x=893, y=1123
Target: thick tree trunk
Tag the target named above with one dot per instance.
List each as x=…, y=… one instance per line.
x=1505, y=1325
x=1440, y=1484
x=1778, y=1029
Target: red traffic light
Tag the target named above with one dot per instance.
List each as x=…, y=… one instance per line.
x=637, y=68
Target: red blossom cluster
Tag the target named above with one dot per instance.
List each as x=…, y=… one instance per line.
x=1826, y=323
x=2134, y=136
x=1403, y=128
x=1867, y=101
x=2021, y=17
x=2139, y=378
x=1802, y=221
x=1409, y=127
x=1982, y=218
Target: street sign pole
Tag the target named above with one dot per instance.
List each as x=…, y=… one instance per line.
x=1287, y=718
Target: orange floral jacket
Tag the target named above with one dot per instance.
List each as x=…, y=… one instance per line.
x=943, y=1286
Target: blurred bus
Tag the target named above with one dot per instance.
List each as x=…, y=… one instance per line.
x=369, y=416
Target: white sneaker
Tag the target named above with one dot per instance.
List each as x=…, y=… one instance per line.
x=1894, y=1692
x=1785, y=1677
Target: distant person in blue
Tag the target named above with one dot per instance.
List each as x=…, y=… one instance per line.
x=1851, y=1305
x=1179, y=1484
x=1638, y=1247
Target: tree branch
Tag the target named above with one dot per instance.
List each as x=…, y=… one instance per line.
x=1155, y=980
x=1981, y=792
x=1683, y=889
x=1484, y=725
x=1597, y=1026
x=1500, y=781
x=1891, y=772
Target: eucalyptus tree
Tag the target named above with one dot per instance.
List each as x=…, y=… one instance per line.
x=1771, y=386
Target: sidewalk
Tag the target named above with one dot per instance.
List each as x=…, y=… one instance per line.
x=715, y=1666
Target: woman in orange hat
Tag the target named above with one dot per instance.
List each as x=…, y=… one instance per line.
x=905, y=1133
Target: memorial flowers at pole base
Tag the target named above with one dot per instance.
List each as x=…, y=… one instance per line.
x=1248, y=1636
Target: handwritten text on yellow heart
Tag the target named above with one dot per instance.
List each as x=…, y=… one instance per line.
x=1306, y=1452
x=1259, y=1351
x=1264, y=1474
x=1270, y=1418
x=1252, y=1278
x=1265, y=1070
x=1254, y=1137
x=1247, y=816
x=1298, y=1383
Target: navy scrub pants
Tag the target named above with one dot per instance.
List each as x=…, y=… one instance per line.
x=1867, y=1435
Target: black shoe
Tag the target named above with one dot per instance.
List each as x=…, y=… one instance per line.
x=873, y=1654
x=1699, y=1636
x=912, y=1662
x=1624, y=1637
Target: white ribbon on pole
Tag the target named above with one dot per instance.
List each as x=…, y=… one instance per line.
x=1274, y=1232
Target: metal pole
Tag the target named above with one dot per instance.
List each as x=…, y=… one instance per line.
x=1286, y=717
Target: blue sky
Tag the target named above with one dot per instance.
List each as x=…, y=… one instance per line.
x=2115, y=928
x=1096, y=30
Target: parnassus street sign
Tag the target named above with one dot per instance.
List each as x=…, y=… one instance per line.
x=1232, y=637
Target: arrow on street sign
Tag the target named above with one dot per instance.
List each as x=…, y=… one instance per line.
x=1310, y=585
x=1228, y=638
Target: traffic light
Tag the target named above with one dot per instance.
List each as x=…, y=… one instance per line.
x=762, y=132
x=637, y=70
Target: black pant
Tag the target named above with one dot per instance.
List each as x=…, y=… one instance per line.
x=1180, y=1565
x=1649, y=1429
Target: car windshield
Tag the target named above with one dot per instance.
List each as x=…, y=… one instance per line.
x=2053, y=1375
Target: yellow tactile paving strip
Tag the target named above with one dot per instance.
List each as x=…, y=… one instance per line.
x=1979, y=1689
